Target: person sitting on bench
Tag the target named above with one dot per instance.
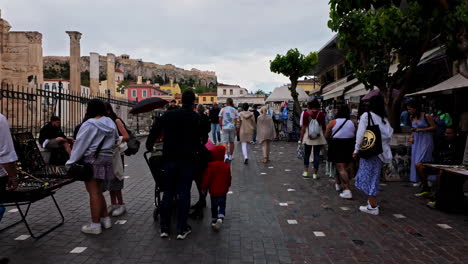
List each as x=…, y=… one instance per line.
x=448, y=152
x=51, y=136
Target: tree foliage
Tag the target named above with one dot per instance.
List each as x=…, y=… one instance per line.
x=375, y=33
x=294, y=65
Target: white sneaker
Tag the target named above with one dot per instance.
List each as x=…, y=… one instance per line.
x=368, y=209
x=337, y=187
x=106, y=222
x=120, y=210
x=416, y=184
x=315, y=176
x=346, y=194
x=111, y=208
x=92, y=228
x=226, y=158
x=305, y=174
x=231, y=157
x=217, y=226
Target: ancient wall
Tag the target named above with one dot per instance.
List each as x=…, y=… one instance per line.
x=20, y=56
x=145, y=69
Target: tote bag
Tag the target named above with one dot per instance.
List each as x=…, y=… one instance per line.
x=372, y=143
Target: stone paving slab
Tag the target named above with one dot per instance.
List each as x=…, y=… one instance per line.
x=256, y=229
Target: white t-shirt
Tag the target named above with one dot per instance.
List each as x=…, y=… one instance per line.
x=7, y=149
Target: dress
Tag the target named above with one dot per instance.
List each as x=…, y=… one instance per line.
x=368, y=175
x=422, y=148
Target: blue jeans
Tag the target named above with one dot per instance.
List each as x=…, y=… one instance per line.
x=177, y=182
x=3, y=183
x=218, y=206
x=215, y=133
x=307, y=152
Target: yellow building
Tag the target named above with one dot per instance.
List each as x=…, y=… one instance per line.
x=308, y=85
x=207, y=98
x=119, y=76
x=171, y=88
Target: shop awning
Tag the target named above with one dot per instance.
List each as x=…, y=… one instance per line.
x=338, y=91
x=455, y=82
x=357, y=91
x=282, y=94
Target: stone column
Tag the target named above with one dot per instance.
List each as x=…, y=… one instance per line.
x=75, y=72
x=94, y=72
x=111, y=73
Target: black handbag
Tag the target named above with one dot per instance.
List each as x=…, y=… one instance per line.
x=371, y=145
x=81, y=170
x=334, y=143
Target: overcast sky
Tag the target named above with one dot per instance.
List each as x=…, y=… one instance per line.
x=234, y=38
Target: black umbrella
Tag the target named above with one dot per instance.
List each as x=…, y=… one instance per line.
x=148, y=104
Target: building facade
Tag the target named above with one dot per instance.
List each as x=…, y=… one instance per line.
x=207, y=98
x=143, y=91
x=238, y=94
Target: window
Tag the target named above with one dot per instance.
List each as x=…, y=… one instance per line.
x=231, y=92
x=144, y=93
x=224, y=91
x=46, y=87
x=134, y=93
x=54, y=87
x=241, y=92
x=212, y=99
x=154, y=92
x=118, y=78
x=204, y=99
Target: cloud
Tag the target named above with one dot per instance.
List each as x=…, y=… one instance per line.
x=234, y=38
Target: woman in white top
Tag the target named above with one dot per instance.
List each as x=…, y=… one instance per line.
x=341, y=133
x=368, y=175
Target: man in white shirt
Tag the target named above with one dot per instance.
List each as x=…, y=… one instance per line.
x=7, y=161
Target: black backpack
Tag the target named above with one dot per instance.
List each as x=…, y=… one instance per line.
x=133, y=145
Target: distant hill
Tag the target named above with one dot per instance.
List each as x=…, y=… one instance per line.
x=133, y=68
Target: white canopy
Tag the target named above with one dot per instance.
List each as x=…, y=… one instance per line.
x=338, y=91
x=455, y=82
x=281, y=94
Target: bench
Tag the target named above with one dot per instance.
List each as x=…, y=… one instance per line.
x=36, y=181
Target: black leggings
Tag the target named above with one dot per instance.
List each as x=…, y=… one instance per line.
x=307, y=152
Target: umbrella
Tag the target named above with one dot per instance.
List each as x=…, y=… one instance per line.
x=147, y=105
x=376, y=91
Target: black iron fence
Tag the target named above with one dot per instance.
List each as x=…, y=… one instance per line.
x=29, y=108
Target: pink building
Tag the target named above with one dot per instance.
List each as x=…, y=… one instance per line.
x=142, y=91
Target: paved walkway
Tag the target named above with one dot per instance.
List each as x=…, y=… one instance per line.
x=322, y=228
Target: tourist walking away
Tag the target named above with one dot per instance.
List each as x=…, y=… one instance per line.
x=95, y=145
x=203, y=157
x=116, y=185
x=341, y=133
x=214, y=120
x=265, y=132
x=256, y=114
x=246, y=130
x=217, y=180
x=312, y=136
x=7, y=161
x=422, y=128
x=182, y=138
x=51, y=136
x=370, y=167
x=227, y=122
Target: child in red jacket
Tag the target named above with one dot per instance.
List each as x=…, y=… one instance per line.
x=217, y=179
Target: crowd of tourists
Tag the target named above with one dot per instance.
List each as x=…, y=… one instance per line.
x=103, y=138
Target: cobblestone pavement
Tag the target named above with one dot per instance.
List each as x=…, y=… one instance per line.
x=273, y=216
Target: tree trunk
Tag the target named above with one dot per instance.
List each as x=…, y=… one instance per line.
x=297, y=105
x=392, y=107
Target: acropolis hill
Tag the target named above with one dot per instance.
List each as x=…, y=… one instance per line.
x=140, y=68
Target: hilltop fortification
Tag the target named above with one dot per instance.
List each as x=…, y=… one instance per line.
x=136, y=67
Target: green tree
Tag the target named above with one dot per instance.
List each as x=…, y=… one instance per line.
x=85, y=78
x=294, y=65
x=376, y=33
x=260, y=92
x=122, y=86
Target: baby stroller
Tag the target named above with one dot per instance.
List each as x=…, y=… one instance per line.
x=155, y=164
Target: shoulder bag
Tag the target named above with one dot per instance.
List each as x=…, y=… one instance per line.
x=81, y=170
x=371, y=145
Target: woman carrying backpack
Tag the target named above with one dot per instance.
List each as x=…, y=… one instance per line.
x=312, y=131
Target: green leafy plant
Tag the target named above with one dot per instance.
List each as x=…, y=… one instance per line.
x=294, y=65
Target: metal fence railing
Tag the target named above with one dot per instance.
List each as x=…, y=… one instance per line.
x=29, y=108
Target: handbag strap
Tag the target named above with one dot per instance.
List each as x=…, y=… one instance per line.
x=369, y=119
x=99, y=147
x=342, y=125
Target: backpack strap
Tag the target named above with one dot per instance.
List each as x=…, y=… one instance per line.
x=98, y=149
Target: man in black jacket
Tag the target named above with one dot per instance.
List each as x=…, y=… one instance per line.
x=51, y=136
x=181, y=141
